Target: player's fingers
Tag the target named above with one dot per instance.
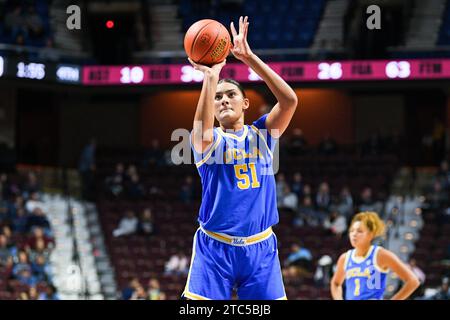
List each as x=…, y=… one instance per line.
x=241, y=25
x=233, y=29
x=246, y=30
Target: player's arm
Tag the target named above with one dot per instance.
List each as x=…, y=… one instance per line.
x=281, y=114
x=388, y=260
x=338, y=279
x=202, y=132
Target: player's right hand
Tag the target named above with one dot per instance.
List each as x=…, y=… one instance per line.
x=214, y=70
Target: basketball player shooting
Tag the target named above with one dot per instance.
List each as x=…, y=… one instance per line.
x=235, y=247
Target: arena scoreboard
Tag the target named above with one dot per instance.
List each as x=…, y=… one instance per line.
x=175, y=74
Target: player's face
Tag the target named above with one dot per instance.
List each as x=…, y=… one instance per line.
x=229, y=103
x=359, y=235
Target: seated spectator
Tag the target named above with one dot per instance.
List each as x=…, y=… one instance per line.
x=139, y=294
x=297, y=143
x=323, y=197
x=37, y=218
x=154, y=290
x=187, y=190
x=41, y=269
x=34, y=23
x=336, y=224
x=307, y=215
x=15, y=23
x=49, y=294
x=31, y=185
x=177, y=264
x=328, y=146
x=34, y=202
x=23, y=263
x=7, y=250
x=443, y=291
x=299, y=262
x=438, y=197
x=40, y=249
x=127, y=225
x=128, y=291
x=443, y=175
x=289, y=200
x=345, y=204
x=37, y=233
x=154, y=155
x=280, y=185
x=297, y=185
x=20, y=222
x=367, y=203
x=146, y=226
x=115, y=182
x=324, y=271
x=33, y=294
x=134, y=187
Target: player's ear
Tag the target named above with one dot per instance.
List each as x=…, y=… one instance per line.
x=246, y=104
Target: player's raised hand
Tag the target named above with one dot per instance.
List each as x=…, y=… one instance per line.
x=213, y=70
x=239, y=47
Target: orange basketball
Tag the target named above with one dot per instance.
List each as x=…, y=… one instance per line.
x=207, y=42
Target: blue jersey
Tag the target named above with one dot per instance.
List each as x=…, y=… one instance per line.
x=238, y=184
x=364, y=279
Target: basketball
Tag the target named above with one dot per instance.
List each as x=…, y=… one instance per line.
x=207, y=42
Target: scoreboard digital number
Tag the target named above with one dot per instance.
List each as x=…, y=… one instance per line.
x=2, y=65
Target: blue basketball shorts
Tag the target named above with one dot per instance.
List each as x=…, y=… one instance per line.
x=221, y=263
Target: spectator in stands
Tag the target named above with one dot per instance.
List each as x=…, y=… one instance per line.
x=438, y=197
x=114, y=183
x=324, y=271
x=297, y=143
x=33, y=294
x=288, y=200
x=34, y=23
x=41, y=269
x=31, y=185
x=297, y=185
x=34, y=202
x=4, y=212
x=127, y=225
x=154, y=290
x=20, y=222
x=135, y=189
x=37, y=234
x=146, y=225
x=139, y=294
x=367, y=203
x=49, y=294
x=7, y=251
x=154, y=156
x=15, y=23
x=86, y=169
x=443, y=175
x=40, y=250
x=299, y=262
x=19, y=203
x=373, y=145
x=128, y=291
x=187, y=190
x=37, y=218
x=307, y=215
x=307, y=191
x=345, y=204
x=328, y=146
x=336, y=224
x=323, y=197
x=177, y=264
x=280, y=185
x=443, y=292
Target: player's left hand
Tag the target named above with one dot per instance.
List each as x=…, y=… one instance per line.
x=240, y=48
